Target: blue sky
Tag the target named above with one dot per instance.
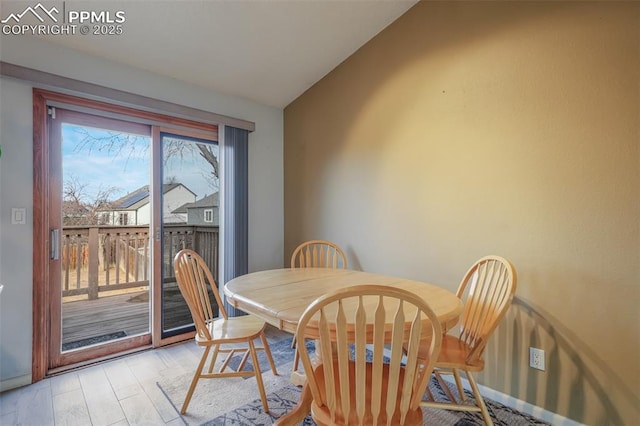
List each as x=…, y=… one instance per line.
x=94, y=164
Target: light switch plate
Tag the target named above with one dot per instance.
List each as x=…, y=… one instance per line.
x=18, y=216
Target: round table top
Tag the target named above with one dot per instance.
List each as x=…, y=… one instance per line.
x=280, y=296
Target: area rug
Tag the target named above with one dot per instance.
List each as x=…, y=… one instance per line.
x=233, y=401
x=283, y=400
x=216, y=397
x=281, y=352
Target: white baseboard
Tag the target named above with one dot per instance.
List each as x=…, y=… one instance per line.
x=15, y=382
x=517, y=404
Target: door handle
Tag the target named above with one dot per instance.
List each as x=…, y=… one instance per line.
x=55, y=244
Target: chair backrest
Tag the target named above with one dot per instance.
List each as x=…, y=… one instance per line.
x=371, y=336
x=318, y=254
x=487, y=290
x=195, y=281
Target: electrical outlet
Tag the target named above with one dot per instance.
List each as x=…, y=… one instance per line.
x=536, y=358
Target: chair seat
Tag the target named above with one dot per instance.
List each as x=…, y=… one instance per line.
x=454, y=354
x=234, y=329
x=322, y=415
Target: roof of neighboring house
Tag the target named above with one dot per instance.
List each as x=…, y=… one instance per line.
x=141, y=196
x=212, y=200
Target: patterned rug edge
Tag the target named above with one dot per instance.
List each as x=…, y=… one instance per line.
x=283, y=396
x=284, y=399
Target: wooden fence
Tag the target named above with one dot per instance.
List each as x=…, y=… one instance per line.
x=98, y=259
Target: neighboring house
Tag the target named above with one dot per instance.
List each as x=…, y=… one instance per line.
x=135, y=209
x=205, y=211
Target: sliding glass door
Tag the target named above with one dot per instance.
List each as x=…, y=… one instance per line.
x=99, y=241
x=190, y=216
x=118, y=193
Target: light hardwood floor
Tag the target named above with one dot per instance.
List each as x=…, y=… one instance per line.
x=117, y=392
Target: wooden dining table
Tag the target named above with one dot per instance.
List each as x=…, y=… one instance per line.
x=280, y=296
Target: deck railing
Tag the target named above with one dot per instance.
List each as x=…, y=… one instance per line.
x=202, y=239
x=105, y=258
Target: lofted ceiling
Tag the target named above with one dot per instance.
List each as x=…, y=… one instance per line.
x=268, y=51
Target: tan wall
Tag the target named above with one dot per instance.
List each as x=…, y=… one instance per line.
x=507, y=128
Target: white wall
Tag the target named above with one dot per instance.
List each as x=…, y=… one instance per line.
x=143, y=215
x=173, y=199
x=16, y=180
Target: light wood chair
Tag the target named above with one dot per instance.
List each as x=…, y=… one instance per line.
x=487, y=290
x=218, y=332
x=356, y=328
x=316, y=254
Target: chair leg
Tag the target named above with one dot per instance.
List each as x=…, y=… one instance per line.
x=195, y=379
x=429, y=395
x=479, y=400
x=456, y=376
x=267, y=350
x=296, y=355
x=296, y=359
x=214, y=357
x=258, y=374
x=450, y=396
x=245, y=357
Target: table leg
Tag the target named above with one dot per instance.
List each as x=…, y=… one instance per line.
x=300, y=411
x=298, y=378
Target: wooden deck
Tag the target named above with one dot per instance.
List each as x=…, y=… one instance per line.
x=112, y=315
x=83, y=319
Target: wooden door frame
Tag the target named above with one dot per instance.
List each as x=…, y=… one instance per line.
x=41, y=227
x=41, y=320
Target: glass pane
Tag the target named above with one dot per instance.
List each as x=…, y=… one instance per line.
x=190, y=217
x=105, y=235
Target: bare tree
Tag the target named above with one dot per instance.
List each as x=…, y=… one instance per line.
x=126, y=145
x=176, y=147
x=78, y=208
